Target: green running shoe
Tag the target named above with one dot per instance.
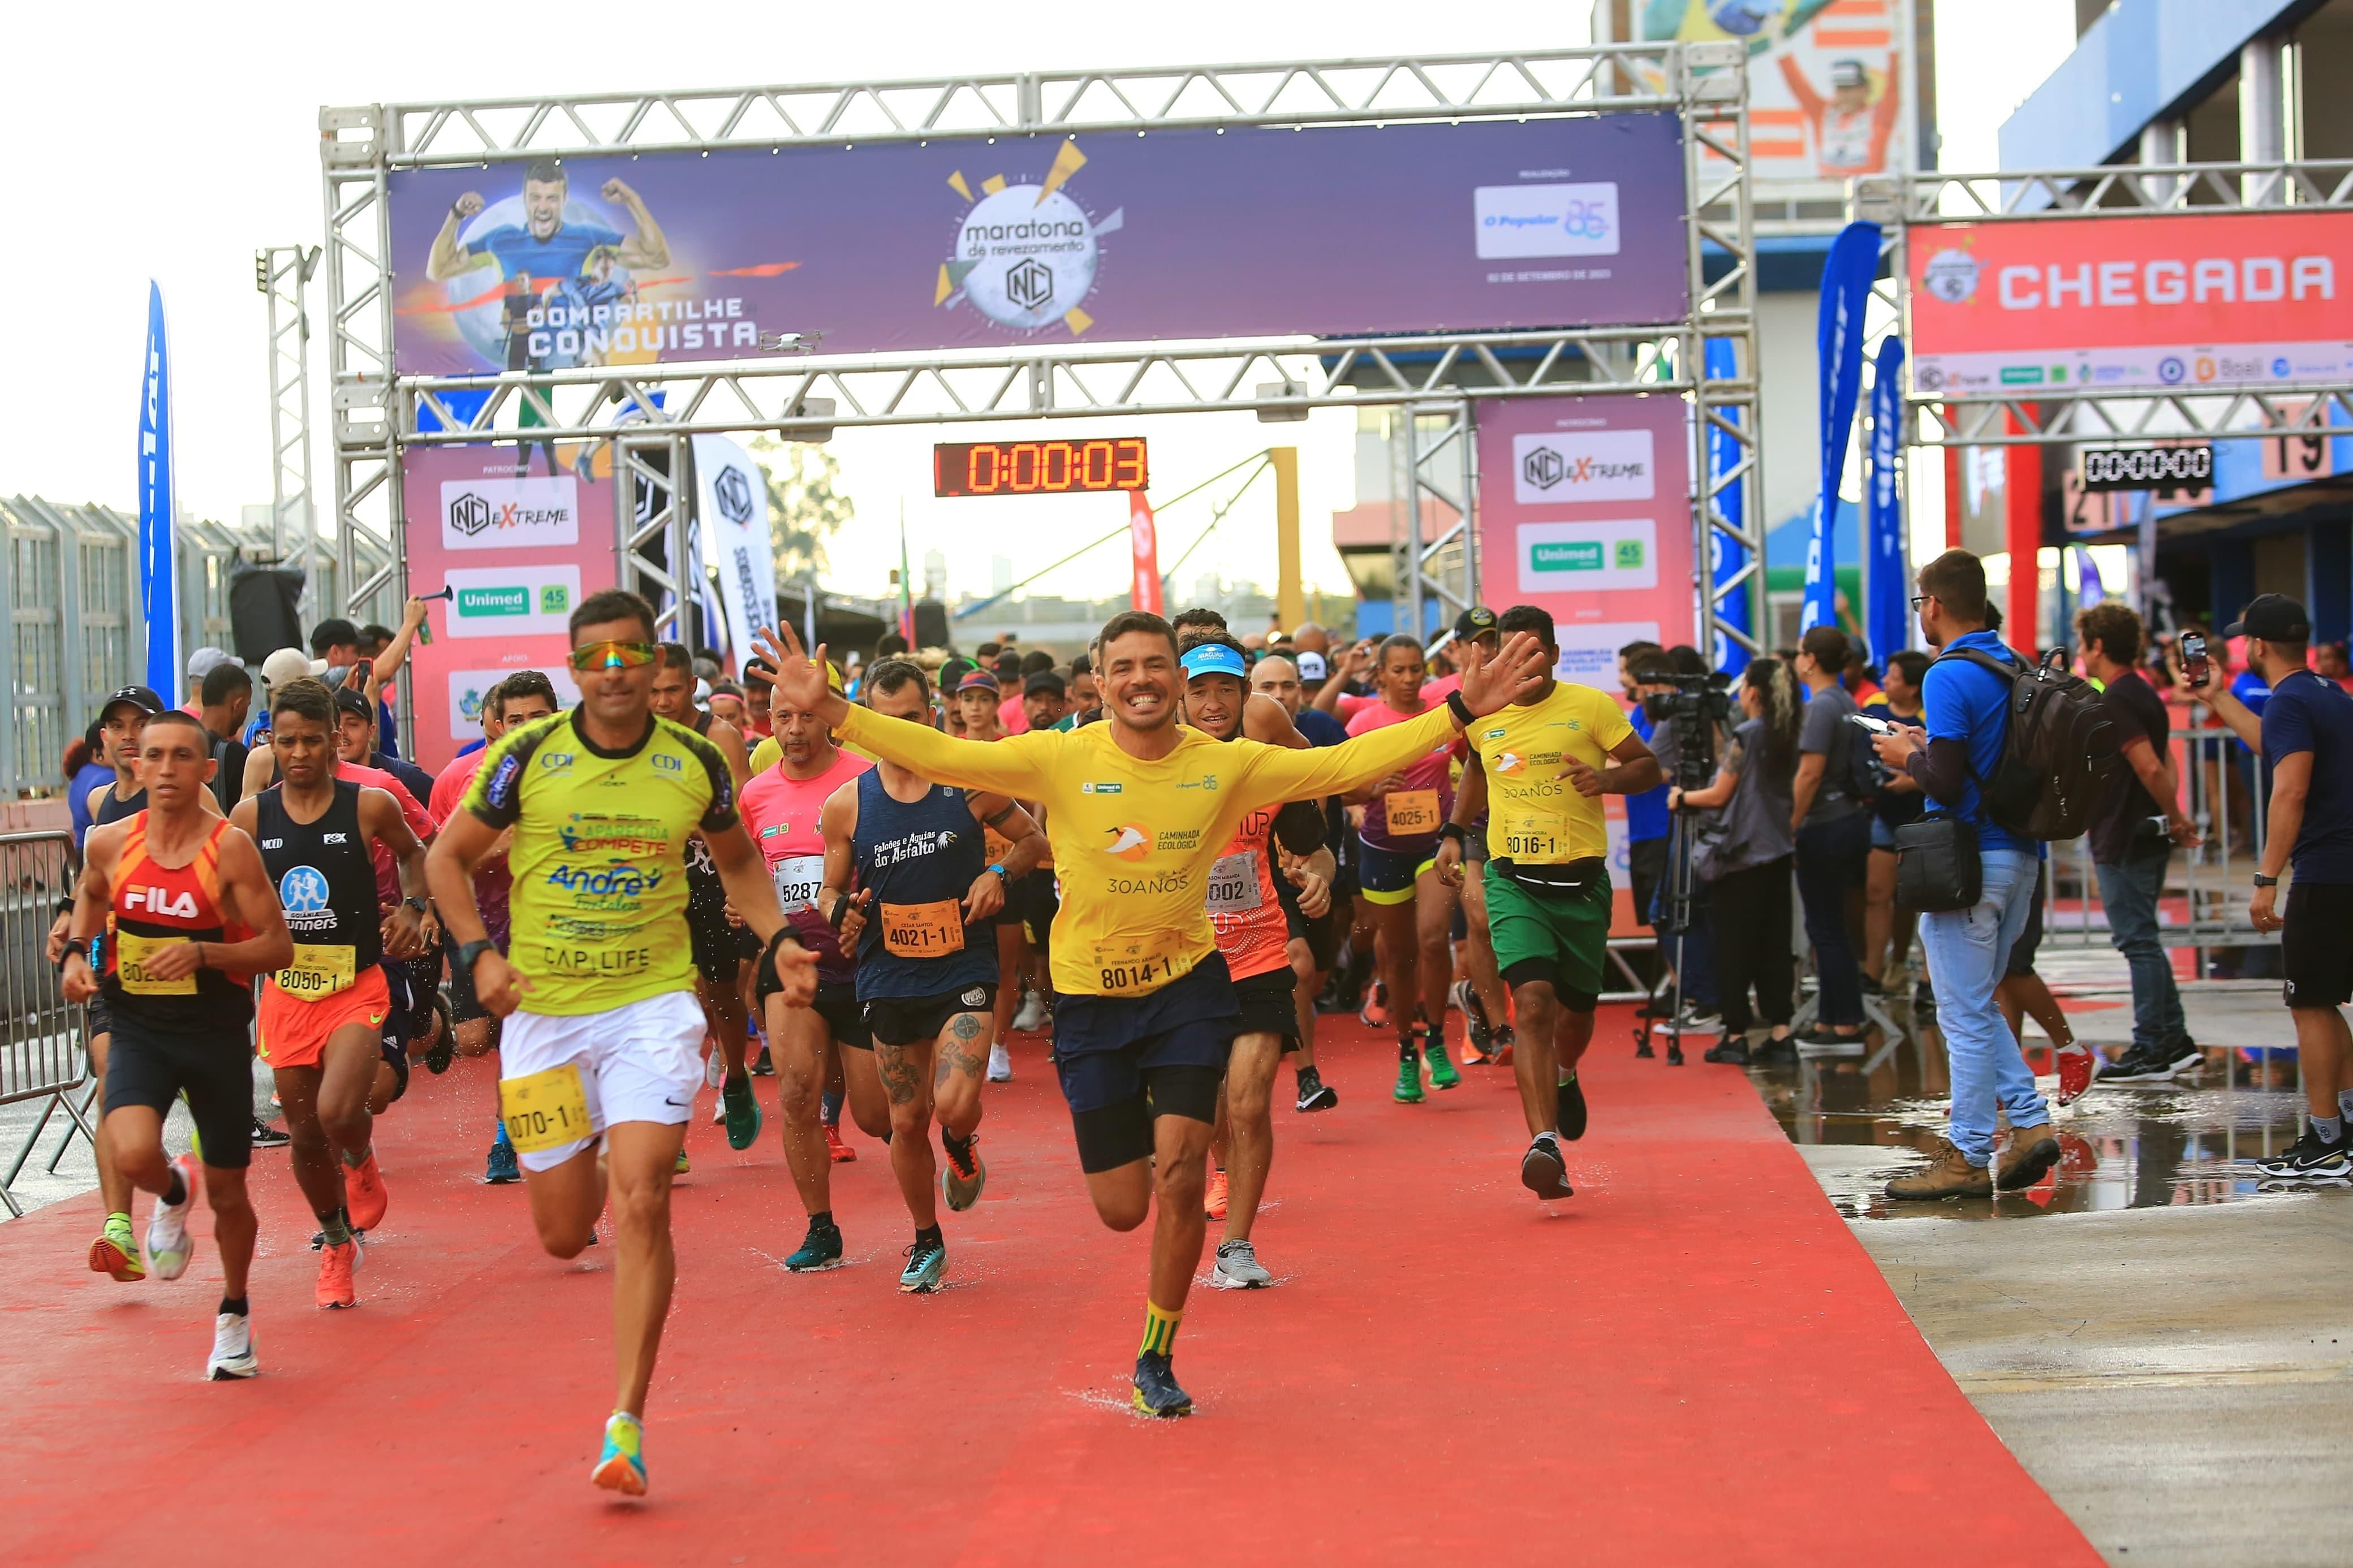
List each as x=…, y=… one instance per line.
x=1443, y=1073
x=1409, y=1083
x=926, y=1261
x=115, y=1253
x=684, y=1164
x=621, y=1467
x=820, y=1250
x=742, y=1111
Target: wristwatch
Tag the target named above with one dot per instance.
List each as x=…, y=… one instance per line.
x=2264, y=881
x=998, y=867
x=470, y=953
x=421, y=906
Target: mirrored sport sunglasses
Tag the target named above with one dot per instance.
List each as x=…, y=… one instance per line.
x=612, y=653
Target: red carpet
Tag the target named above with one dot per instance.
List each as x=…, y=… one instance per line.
x=1689, y=1363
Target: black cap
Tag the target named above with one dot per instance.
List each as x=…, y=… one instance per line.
x=1476, y=621
x=139, y=697
x=2275, y=618
x=1045, y=681
x=352, y=700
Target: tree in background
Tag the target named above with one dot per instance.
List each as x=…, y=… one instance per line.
x=806, y=504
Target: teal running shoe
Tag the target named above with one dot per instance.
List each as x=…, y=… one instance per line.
x=503, y=1169
x=926, y=1261
x=742, y=1111
x=820, y=1250
x=621, y=1467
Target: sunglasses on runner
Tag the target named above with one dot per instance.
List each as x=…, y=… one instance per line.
x=612, y=653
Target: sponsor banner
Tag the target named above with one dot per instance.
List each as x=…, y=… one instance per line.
x=731, y=513
x=965, y=242
x=1887, y=585
x=1846, y=291
x=468, y=688
x=1728, y=556
x=513, y=584
x=1143, y=545
x=160, y=604
x=1611, y=569
x=2131, y=304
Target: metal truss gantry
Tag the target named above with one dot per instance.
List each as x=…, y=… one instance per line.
x=377, y=414
x=282, y=273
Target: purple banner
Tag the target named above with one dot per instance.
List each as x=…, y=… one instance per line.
x=962, y=243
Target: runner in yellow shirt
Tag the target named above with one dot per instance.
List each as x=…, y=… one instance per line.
x=1137, y=808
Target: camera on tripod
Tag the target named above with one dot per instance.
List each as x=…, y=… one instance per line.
x=1692, y=713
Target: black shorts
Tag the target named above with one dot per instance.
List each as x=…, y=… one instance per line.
x=216, y=1072
x=2316, y=946
x=2030, y=940
x=102, y=1022
x=1269, y=1005
x=720, y=949
x=837, y=1004
x=1034, y=899
x=1124, y=1060
x=1646, y=862
x=1322, y=937
x=913, y=1020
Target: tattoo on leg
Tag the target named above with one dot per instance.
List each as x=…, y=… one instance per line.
x=900, y=1078
x=964, y=1046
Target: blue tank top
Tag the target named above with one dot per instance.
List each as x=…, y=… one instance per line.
x=917, y=858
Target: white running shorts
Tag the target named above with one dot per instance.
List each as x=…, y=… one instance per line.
x=641, y=1062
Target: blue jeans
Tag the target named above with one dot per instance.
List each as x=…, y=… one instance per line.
x=1833, y=857
x=2129, y=891
x=1967, y=950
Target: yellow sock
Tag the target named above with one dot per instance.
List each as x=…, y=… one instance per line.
x=1159, y=1330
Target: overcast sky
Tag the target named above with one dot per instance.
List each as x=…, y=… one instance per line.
x=170, y=140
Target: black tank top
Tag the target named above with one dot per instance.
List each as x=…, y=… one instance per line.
x=920, y=854
x=324, y=873
x=110, y=809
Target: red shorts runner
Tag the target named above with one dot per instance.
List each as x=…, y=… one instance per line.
x=292, y=1033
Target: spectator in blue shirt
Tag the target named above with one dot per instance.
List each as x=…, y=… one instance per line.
x=86, y=769
x=2306, y=736
x=1967, y=708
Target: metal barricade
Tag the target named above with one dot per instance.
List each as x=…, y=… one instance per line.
x=2207, y=889
x=42, y=1052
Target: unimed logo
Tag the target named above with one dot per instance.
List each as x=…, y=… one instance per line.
x=506, y=513
x=514, y=600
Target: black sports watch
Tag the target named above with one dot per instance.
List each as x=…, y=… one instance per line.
x=422, y=905
x=2264, y=881
x=470, y=953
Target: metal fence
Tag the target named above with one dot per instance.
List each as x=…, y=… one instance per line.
x=70, y=576
x=42, y=1054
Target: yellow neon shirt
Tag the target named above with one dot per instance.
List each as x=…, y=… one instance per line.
x=1134, y=840
x=598, y=906
x=1534, y=816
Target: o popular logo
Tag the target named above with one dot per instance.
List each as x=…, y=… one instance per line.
x=1025, y=255
x=1129, y=841
x=303, y=890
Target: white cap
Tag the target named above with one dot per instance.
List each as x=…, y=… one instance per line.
x=290, y=664
x=1311, y=667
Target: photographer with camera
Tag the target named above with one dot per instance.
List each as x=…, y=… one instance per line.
x=1747, y=863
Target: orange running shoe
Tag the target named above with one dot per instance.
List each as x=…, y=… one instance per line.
x=840, y=1153
x=336, y=1265
x=1213, y=1203
x=1501, y=1054
x=364, y=1194
x=1374, y=1014
x=115, y=1253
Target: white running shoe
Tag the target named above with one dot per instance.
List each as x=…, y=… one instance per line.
x=232, y=1356
x=1032, y=1016
x=714, y=1067
x=1000, y=1064
x=1238, y=1268
x=168, y=1247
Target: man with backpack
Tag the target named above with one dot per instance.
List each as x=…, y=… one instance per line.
x=1833, y=834
x=1963, y=755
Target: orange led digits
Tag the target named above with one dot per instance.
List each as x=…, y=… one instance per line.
x=1040, y=467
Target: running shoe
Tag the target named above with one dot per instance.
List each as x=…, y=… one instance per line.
x=1731, y=1048
x=1543, y=1171
x=444, y=1049
x=1314, y=1094
x=1375, y=1014
x=1476, y=1029
x=1238, y=1268
x=840, y=1152
x=264, y=1136
x=1000, y=1062
x=962, y=1179
x=2079, y=1068
x=742, y=1112
x=169, y=1247
x=1501, y=1055
x=820, y=1250
x=1213, y=1202
x=115, y=1253
x=715, y=1066
x=365, y=1195
x=621, y=1467
x=2310, y=1158
x=926, y=1261
x=2160, y=1065
x=760, y=1066
x=1031, y=1017
x=684, y=1164
x=232, y=1356
x=1700, y=1020
x=502, y=1169
x=1408, y=1082
x=336, y=1266
x=1443, y=1073
x=1156, y=1392
x=1569, y=1104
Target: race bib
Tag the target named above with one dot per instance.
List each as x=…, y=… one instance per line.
x=131, y=952
x=1233, y=883
x=1141, y=964
x=924, y=930
x=1535, y=837
x=996, y=844
x=1411, y=812
x=318, y=970
x=545, y=1110
x=797, y=878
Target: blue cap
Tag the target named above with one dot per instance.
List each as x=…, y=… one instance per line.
x=1214, y=659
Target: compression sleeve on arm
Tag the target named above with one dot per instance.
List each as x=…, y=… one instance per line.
x=1942, y=768
x=1274, y=774
x=1019, y=765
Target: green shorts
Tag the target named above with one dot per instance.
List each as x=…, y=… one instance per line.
x=1558, y=937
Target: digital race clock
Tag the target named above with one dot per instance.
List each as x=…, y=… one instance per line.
x=1039, y=468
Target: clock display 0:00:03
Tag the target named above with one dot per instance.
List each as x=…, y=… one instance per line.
x=1039, y=468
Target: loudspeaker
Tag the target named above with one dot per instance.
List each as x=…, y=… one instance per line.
x=931, y=623
x=261, y=611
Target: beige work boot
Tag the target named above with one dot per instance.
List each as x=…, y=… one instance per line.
x=2025, y=1157
x=1947, y=1174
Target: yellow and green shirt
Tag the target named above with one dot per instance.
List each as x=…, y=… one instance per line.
x=598, y=906
x=1534, y=815
x=1134, y=840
